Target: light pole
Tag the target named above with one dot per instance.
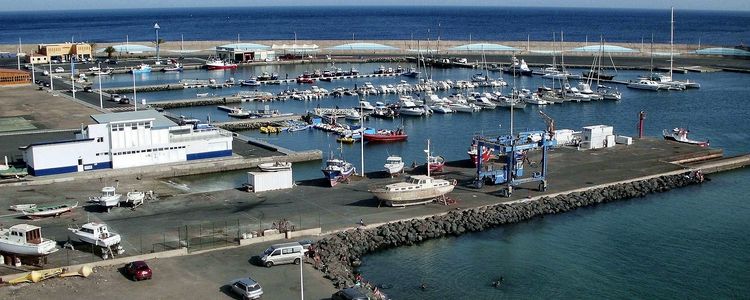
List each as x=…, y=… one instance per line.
x=135, y=97
x=51, y=80
x=101, y=99
x=156, y=27
x=301, y=282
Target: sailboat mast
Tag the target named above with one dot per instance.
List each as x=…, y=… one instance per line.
x=428, y=157
x=671, y=44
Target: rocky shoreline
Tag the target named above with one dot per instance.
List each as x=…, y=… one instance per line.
x=339, y=254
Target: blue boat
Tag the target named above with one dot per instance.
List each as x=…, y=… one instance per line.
x=338, y=170
x=140, y=69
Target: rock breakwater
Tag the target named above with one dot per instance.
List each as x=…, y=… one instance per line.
x=340, y=253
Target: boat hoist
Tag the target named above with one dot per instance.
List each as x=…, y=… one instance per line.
x=514, y=150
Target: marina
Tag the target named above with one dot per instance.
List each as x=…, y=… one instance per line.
x=203, y=153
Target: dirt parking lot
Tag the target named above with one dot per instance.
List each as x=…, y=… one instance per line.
x=201, y=276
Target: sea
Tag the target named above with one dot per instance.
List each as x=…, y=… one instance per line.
x=727, y=28
x=690, y=243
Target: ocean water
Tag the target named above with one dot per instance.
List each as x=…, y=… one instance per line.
x=367, y=22
x=687, y=243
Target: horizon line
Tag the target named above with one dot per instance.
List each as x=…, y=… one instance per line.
x=375, y=5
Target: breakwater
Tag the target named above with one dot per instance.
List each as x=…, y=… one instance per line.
x=340, y=253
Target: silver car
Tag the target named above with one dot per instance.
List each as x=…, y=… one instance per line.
x=247, y=287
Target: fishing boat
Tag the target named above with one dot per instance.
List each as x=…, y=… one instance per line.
x=394, y=165
x=436, y=163
x=218, y=64
x=518, y=68
x=238, y=112
x=681, y=135
x=136, y=198
x=337, y=170
x=140, y=69
x=352, y=115
x=108, y=198
x=417, y=189
x=54, y=210
x=299, y=128
x=486, y=153
x=174, y=67
x=108, y=71
x=250, y=82
x=25, y=239
x=201, y=95
x=98, y=234
x=346, y=139
x=385, y=136
x=383, y=112
x=645, y=84
x=8, y=171
x=275, y=166
x=269, y=129
x=411, y=72
x=365, y=106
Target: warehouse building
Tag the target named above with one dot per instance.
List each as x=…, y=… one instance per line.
x=124, y=140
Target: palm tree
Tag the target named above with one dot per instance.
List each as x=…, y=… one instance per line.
x=109, y=50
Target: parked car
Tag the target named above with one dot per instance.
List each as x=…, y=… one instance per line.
x=138, y=270
x=124, y=100
x=112, y=62
x=246, y=287
x=115, y=97
x=282, y=254
x=59, y=70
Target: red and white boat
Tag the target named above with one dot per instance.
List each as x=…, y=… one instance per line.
x=385, y=136
x=681, y=135
x=218, y=64
x=436, y=163
x=486, y=154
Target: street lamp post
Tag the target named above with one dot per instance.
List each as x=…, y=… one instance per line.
x=101, y=99
x=156, y=27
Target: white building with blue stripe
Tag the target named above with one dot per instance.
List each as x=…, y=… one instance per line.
x=125, y=140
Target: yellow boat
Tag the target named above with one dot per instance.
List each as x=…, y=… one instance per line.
x=346, y=140
x=269, y=129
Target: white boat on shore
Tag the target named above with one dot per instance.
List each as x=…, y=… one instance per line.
x=99, y=235
x=417, y=189
x=22, y=207
x=394, y=165
x=108, y=199
x=25, y=239
x=53, y=210
x=275, y=166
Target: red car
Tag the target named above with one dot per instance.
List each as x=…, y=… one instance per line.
x=138, y=270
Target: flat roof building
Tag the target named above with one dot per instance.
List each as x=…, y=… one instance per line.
x=127, y=139
x=63, y=52
x=245, y=52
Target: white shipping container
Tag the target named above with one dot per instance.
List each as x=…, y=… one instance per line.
x=269, y=181
x=621, y=139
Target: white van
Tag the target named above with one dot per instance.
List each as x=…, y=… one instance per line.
x=283, y=254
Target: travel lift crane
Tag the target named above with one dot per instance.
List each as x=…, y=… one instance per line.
x=514, y=149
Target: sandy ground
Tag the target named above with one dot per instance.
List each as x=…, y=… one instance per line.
x=44, y=110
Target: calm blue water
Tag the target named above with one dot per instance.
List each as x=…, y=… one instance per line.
x=340, y=23
x=689, y=243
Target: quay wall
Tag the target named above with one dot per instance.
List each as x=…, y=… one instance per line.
x=340, y=253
